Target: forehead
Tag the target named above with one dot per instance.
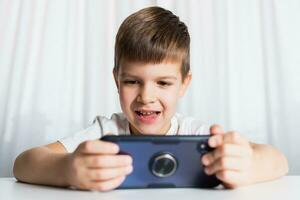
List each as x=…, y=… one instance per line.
x=150, y=69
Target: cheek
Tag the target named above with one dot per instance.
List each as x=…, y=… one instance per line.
x=169, y=98
x=126, y=96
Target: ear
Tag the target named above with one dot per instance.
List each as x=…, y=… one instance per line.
x=185, y=84
x=115, y=73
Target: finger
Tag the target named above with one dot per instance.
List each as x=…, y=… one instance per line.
x=107, y=185
x=109, y=173
x=223, y=151
x=225, y=163
x=105, y=161
x=215, y=140
x=216, y=129
x=98, y=147
x=230, y=137
x=235, y=138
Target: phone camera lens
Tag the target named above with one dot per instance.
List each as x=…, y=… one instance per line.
x=163, y=164
x=202, y=147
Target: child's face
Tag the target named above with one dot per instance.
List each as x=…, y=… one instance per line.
x=149, y=94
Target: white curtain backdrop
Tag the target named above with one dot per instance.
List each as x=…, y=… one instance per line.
x=56, y=60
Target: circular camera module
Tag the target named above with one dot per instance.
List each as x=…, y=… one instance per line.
x=163, y=164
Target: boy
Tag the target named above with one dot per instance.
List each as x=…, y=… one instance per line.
x=151, y=73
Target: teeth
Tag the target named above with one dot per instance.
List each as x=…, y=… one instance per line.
x=146, y=113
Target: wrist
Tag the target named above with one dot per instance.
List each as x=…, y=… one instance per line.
x=254, y=171
x=65, y=170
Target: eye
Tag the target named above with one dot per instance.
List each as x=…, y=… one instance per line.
x=130, y=82
x=164, y=83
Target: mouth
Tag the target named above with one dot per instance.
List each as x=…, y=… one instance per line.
x=147, y=116
x=146, y=113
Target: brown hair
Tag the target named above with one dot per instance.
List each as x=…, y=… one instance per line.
x=153, y=35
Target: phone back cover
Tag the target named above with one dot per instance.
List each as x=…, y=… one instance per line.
x=186, y=149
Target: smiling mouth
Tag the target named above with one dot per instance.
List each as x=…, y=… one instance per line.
x=147, y=116
x=147, y=113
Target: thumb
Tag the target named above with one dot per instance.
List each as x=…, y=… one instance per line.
x=216, y=129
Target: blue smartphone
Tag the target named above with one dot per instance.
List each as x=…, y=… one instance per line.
x=165, y=161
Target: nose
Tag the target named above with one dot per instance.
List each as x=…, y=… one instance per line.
x=146, y=94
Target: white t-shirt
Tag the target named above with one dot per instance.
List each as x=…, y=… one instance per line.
x=118, y=125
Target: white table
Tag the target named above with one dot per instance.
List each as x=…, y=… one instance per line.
x=286, y=188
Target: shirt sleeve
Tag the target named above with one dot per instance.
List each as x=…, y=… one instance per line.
x=91, y=133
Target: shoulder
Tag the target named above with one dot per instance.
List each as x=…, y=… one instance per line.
x=191, y=126
x=116, y=124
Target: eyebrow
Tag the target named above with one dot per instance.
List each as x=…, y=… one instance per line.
x=160, y=77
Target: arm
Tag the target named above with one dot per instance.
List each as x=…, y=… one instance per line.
x=93, y=166
x=31, y=165
x=266, y=156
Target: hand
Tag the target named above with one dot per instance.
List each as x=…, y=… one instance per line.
x=231, y=160
x=95, y=166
